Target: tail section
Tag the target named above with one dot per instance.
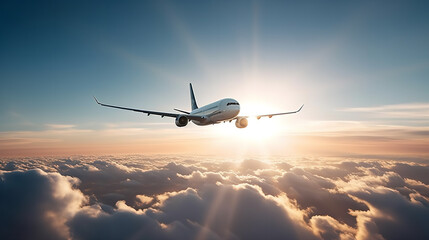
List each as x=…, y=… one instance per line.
x=193, y=101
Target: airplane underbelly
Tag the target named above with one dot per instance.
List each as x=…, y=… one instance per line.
x=202, y=123
x=223, y=115
x=217, y=116
x=209, y=120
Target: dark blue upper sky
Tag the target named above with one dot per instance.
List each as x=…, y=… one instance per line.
x=54, y=55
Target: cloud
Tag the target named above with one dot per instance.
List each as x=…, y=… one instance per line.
x=93, y=223
x=319, y=195
x=241, y=212
x=112, y=181
x=207, y=213
x=37, y=205
x=329, y=228
x=60, y=126
x=416, y=172
x=171, y=197
x=395, y=216
x=409, y=110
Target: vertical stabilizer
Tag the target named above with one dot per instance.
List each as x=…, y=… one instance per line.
x=193, y=101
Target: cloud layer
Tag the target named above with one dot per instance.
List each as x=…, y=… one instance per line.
x=170, y=197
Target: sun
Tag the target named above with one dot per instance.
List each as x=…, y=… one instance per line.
x=258, y=139
x=258, y=130
x=261, y=138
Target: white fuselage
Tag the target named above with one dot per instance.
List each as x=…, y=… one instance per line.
x=219, y=111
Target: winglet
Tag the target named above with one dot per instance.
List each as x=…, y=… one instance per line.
x=300, y=108
x=96, y=100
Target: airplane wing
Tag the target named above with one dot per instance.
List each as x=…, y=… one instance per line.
x=148, y=112
x=272, y=114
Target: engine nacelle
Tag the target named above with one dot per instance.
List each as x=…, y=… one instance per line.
x=181, y=121
x=241, y=122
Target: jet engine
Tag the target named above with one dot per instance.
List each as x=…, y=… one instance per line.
x=241, y=122
x=181, y=121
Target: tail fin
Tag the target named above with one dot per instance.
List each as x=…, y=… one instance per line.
x=193, y=101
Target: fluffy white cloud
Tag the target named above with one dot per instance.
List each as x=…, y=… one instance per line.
x=138, y=197
x=37, y=205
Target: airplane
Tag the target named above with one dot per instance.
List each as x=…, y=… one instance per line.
x=226, y=109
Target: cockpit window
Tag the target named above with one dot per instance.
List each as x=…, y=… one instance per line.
x=232, y=103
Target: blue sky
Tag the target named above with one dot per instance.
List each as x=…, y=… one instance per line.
x=331, y=56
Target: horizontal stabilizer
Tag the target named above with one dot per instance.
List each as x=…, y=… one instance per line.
x=182, y=111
